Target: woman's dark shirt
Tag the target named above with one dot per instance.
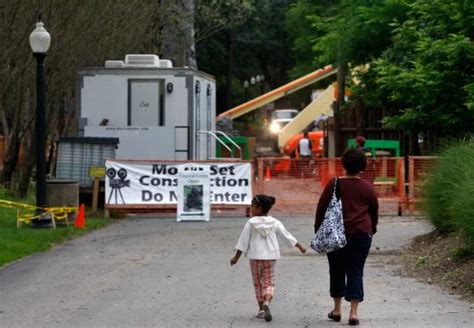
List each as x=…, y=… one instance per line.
x=359, y=205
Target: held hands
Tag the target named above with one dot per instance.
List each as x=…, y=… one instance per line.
x=301, y=248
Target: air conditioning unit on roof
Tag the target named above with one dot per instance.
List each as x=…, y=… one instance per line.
x=142, y=61
x=166, y=63
x=114, y=64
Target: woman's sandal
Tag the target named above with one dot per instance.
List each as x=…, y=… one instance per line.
x=334, y=317
x=353, y=322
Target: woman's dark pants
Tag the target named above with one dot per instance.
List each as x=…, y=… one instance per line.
x=349, y=262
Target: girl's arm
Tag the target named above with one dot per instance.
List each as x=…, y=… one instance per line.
x=235, y=258
x=244, y=239
x=301, y=248
x=242, y=243
x=287, y=237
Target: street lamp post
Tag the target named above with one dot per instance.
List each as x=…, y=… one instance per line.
x=39, y=42
x=246, y=89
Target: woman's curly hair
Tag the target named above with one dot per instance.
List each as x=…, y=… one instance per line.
x=354, y=161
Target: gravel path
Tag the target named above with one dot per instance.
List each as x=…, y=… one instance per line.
x=145, y=272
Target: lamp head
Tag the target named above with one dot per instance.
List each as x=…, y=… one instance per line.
x=40, y=39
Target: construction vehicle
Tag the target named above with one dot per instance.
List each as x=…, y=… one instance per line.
x=317, y=142
x=280, y=118
x=289, y=135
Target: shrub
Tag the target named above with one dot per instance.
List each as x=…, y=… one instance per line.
x=463, y=209
x=450, y=188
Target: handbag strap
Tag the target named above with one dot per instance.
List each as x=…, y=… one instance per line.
x=337, y=188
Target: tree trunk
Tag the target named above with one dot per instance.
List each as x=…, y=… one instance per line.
x=341, y=84
x=13, y=149
x=359, y=116
x=178, y=33
x=414, y=147
x=6, y=130
x=26, y=167
x=11, y=157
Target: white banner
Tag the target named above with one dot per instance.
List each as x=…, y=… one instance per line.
x=193, y=193
x=129, y=183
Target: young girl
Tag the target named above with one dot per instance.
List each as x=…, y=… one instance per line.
x=259, y=242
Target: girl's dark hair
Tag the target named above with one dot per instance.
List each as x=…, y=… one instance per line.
x=354, y=161
x=264, y=202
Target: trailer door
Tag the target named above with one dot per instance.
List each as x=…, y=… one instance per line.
x=145, y=102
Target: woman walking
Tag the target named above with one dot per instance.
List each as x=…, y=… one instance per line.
x=360, y=213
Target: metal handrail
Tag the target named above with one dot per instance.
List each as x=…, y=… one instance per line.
x=232, y=141
x=217, y=138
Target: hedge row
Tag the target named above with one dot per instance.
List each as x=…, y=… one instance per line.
x=449, y=192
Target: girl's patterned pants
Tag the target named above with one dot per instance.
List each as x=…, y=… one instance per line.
x=263, y=275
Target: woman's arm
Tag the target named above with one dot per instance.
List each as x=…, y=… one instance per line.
x=374, y=210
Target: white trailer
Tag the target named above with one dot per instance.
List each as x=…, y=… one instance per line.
x=154, y=109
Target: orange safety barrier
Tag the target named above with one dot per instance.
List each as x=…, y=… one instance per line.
x=297, y=183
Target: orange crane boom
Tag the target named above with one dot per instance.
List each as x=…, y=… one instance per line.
x=278, y=93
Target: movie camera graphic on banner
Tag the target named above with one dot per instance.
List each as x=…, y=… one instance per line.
x=116, y=184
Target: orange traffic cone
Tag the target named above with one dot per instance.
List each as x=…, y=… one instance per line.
x=267, y=174
x=81, y=218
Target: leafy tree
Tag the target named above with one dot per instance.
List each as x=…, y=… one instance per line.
x=84, y=33
x=303, y=34
x=256, y=46
x=418, y=58
x=428, y=72
x=355, y=31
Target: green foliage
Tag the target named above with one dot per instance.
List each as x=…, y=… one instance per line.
x=449, y=190
x=462, y=207
x=17, y=243
x=303, y=33
x=462, y=253
x=428, y=71
x=421, y=260
x=420, y=56
x=357, y=31
x=211, y=16
x=257, y=46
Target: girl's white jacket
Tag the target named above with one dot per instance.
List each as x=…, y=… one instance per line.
x=261, y=238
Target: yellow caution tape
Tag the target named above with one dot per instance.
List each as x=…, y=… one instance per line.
x=57, y=213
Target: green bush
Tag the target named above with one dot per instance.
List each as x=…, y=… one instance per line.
x=449, y=190
x=462, y=209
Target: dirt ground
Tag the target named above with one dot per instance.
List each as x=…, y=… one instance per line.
x=148, y=272
x=438, y=259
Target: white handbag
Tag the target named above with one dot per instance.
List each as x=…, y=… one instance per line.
x=330, y=235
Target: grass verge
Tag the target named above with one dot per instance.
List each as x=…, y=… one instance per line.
x=17, y=243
